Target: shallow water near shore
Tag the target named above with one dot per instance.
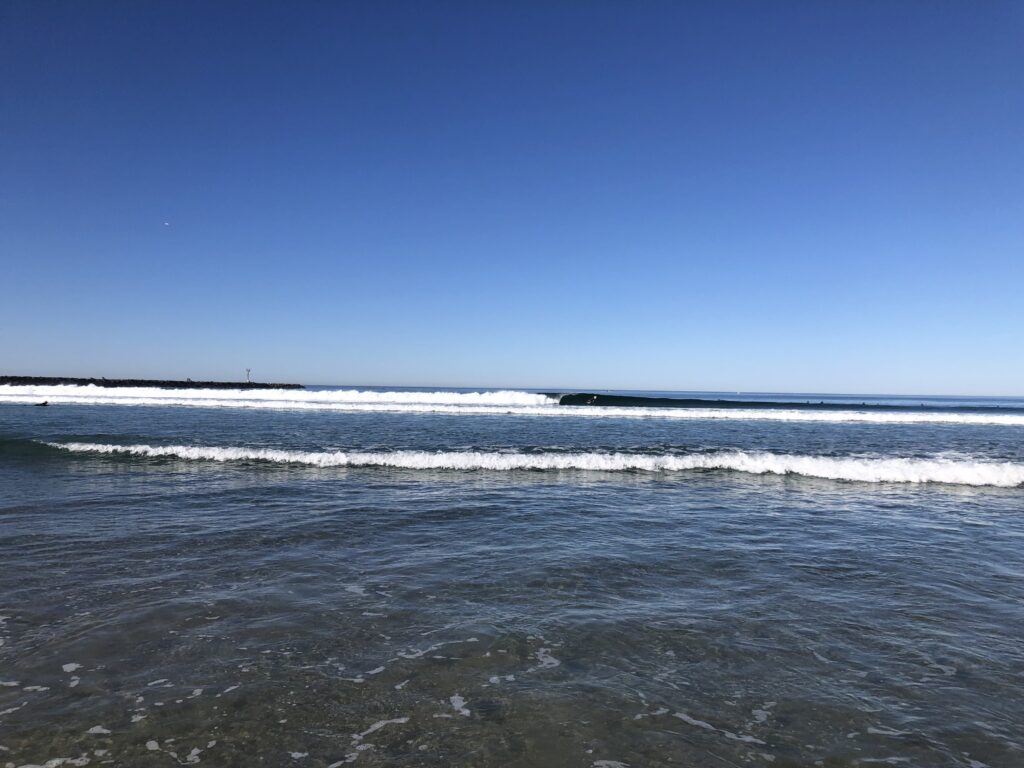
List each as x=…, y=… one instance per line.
x=217, y=599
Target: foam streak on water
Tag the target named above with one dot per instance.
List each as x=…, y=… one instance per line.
x=866, y=469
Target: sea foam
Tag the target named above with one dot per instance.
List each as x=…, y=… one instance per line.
x=270, y=398
x=865, y=469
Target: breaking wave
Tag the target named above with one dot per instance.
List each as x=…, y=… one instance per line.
x=865, y=469
x=262, y=398
x=508, y=402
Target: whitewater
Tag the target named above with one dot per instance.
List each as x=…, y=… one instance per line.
x=485, y=403
x=864, y=469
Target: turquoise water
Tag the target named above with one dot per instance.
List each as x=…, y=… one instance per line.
x=498, y=580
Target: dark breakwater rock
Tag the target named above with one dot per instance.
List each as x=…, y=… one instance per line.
x=46, y=381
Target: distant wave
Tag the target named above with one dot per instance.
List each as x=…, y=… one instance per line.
x=508, y=402
x=864, y=469
x=267, y=398
x=588, y=399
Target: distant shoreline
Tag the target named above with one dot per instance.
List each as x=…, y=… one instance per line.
x=50, y=381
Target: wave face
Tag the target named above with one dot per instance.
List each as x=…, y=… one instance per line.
x=509, y=402
x=805, y=402
x=864, y=469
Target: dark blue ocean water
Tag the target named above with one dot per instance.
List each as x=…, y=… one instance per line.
x=378, y=580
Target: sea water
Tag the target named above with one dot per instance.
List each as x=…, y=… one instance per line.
x=339, y=576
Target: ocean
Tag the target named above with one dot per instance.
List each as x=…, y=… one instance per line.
x=341, y=576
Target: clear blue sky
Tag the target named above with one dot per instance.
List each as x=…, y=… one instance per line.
x=810, y=196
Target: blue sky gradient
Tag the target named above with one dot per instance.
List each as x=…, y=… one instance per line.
x=794, y=196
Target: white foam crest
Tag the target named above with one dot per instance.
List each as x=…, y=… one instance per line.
x=508, y=402
x=865, y=469
x=262, y=397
